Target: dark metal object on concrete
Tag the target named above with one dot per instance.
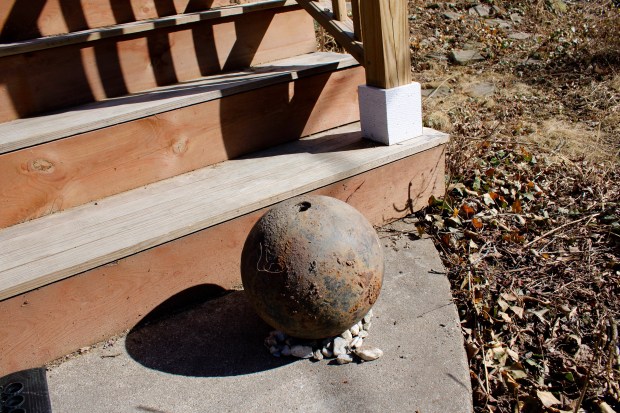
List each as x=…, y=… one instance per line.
x=25, y=391
x=312, y=266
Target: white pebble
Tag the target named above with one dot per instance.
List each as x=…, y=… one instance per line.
x=368, y=353
x=344, y=359
x=347, y=335
x=363, y=334
x=303, y=352
x=357, y=342
x=318, y=355
x=367, y=326
x=327, y=353
x=368, y=316
x=275, y=351
x=355, y=330
x=340, y=346
x=286, y=351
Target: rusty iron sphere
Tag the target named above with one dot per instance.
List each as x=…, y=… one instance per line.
x=312, y=266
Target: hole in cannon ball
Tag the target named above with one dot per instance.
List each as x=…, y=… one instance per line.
x=304, y=206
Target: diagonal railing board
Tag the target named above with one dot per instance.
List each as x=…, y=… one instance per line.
x=342, y=31
x=43, y=251
x=23, y=133
x=123, y=29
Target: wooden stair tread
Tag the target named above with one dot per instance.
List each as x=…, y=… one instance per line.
x=89, y=35
x=49, y=249
x=22, y=133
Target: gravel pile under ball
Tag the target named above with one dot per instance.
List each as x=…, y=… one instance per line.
x=345, y=348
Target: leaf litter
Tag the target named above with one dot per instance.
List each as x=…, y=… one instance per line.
x=529, y=228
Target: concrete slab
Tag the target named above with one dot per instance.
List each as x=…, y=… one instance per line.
x=211, y=358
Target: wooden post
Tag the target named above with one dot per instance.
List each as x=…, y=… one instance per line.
x=386, y=43
x=340, y=9
x=355, y=16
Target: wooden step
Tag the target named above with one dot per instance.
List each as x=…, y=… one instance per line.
x=135, y=250
x=154, y=54
x=84, y=35
x=104, y=148
x=29, y=20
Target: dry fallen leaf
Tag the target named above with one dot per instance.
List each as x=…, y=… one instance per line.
x=547, y=398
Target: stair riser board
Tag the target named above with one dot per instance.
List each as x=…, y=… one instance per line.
x=51, y=79
x=20, y=20
x=62, y=317
x=68, y=172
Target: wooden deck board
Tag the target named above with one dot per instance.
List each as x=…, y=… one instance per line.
x=50, y=322
x=23, y=133
x=43, y=251
x=39, y=82
x=55, y=38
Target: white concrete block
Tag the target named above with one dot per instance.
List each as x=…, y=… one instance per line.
x=392, y=115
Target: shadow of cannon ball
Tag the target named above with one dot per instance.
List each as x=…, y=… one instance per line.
x=312, y=266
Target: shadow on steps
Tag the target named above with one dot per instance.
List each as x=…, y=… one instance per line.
x=217, y=338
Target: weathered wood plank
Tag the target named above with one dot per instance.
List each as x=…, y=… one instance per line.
x=340, y=10
x=47, y=323
x=68, y=172
x=20, y=20
x=115, y=30
x=341, y=30
x=22, y=133
x=40, y=252
x=38, y=82
x=386, y=43
x=357, y=20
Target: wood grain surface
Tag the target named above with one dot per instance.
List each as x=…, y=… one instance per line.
x=39, y=252
x=52, y=79
x=21, y=20
x=47, y=323
x=61, y=174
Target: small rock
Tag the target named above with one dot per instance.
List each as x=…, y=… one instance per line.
x=344, y=359
x=286, y=351
x=355, y=330
x=340, y=346
x=368, y=353
x=280, y=336
x=357, y=342
x=481, y=10
x=480, y=90
x=275, y=351
x=516, y=18
x=519, y=36
x=450, y=15
x=363, y=334
x=347, y=336
x=464, y=57
x=440, y=92
x=499, y=23
x=327, y=353
x=303, y=352
x=318, y=355
x=367, y=326
x=497, y=11
x=368, y=317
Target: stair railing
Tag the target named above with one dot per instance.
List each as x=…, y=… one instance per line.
x=376, y=35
